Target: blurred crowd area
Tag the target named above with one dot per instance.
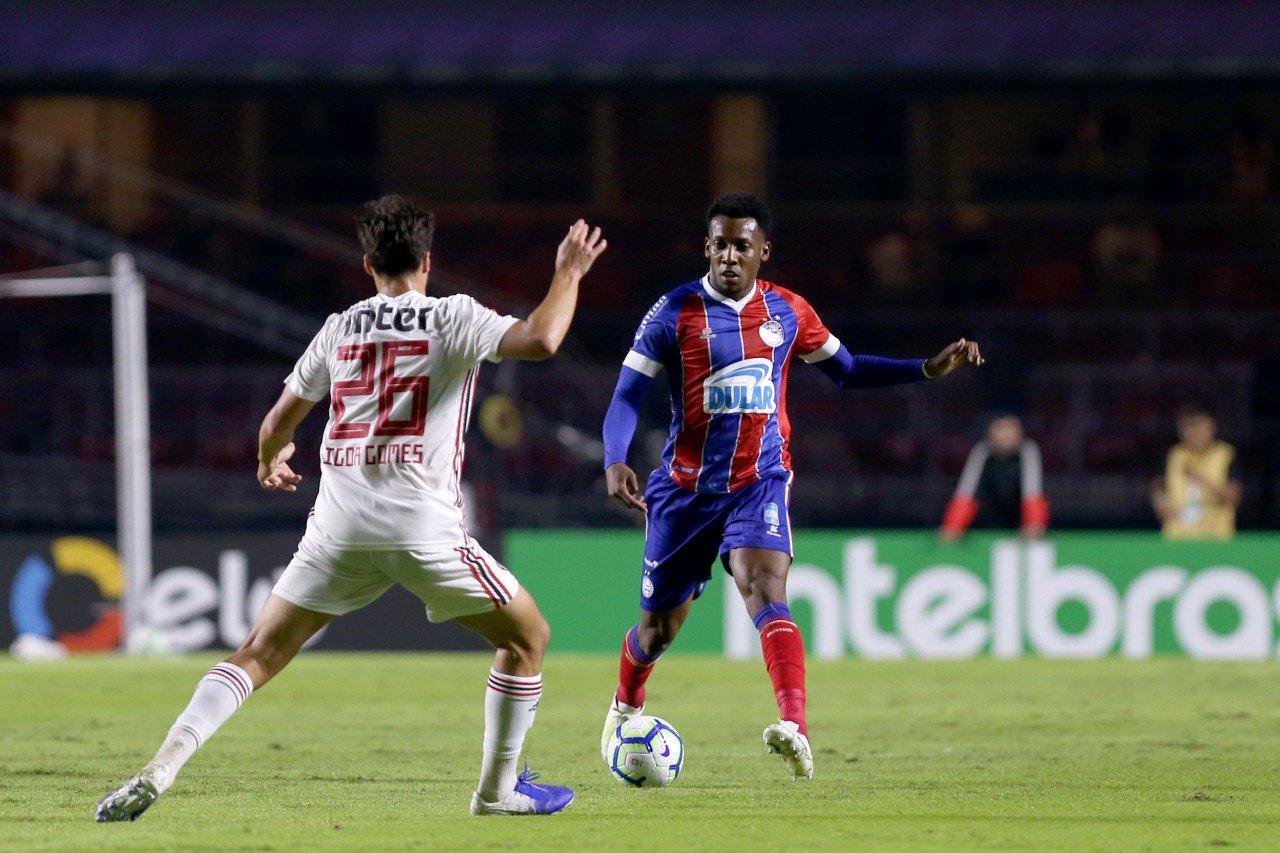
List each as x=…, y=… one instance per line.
x=1115, y=250
x=888, y=196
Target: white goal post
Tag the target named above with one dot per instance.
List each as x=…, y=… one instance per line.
x=128, y=292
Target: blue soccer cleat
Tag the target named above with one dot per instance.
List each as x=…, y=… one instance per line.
x=527, y=798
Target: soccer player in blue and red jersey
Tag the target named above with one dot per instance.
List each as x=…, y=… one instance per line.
x=727, y=342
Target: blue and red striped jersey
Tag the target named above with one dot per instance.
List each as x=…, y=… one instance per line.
x=727, y=364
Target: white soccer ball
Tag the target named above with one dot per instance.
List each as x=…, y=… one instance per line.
x=645, y=752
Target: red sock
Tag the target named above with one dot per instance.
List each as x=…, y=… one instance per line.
x=783, y=648
x=634, y=667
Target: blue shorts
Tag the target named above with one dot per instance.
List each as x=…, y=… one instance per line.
x=686, y=530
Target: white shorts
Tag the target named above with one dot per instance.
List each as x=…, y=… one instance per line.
x=460, y=579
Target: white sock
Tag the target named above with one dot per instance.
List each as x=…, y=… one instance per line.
x=217, y=696
x=510, y=703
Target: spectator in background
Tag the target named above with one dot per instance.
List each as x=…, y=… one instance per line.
x=1126, y=257
x=1101, y=158
x=1265, y=409
x=1198, y=495
x=1003, y=482
x=69, y=191
x=889, y=262
x=1168, y=180
x=1253, y=160
x=903, y=263
x=969, y=259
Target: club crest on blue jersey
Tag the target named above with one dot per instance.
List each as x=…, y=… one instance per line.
x=771, y=333
x=742, y=388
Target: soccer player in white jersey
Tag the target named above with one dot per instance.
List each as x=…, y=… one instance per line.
x=400, y=370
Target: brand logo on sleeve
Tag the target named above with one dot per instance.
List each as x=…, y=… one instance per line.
x=742, y=388
x=649, y=315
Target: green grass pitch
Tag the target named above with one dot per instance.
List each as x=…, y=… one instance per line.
x=380, y=751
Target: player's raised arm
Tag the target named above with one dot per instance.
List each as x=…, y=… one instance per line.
x=539, y=336
x=275, y=442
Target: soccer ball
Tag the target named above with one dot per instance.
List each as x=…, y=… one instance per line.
x=646, y=752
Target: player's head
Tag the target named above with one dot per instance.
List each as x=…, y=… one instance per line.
x=1005, y=434
x=1196, y=427
x=396, y=237
x=738, y=229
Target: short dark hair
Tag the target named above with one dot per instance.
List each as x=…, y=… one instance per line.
x=740, y=205
x=395, y=234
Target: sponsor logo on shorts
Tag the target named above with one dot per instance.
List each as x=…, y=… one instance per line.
x=772, y=518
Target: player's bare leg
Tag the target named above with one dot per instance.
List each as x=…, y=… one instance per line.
x=761, y=577
x=279, y=632
x=519, y=634
x=641, y=647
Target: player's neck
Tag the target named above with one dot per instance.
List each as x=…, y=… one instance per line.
x=737, y=291
x=399, y=286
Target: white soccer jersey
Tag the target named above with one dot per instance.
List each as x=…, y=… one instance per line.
x=400, y=373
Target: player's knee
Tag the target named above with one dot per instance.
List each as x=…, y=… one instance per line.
x=760, y=588
x=530, y=644
x=264, y=650
x=541, y=635
x=749, y=585
x=656, y=637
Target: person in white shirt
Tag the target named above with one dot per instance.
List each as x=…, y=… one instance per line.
x=400, y=370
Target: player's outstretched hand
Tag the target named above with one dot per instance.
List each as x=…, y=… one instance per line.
x=579, y=249
x=621, y=483
x=278, y=476
x=959, y=353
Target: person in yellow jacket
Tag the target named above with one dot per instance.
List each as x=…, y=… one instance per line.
x=1198, y=495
